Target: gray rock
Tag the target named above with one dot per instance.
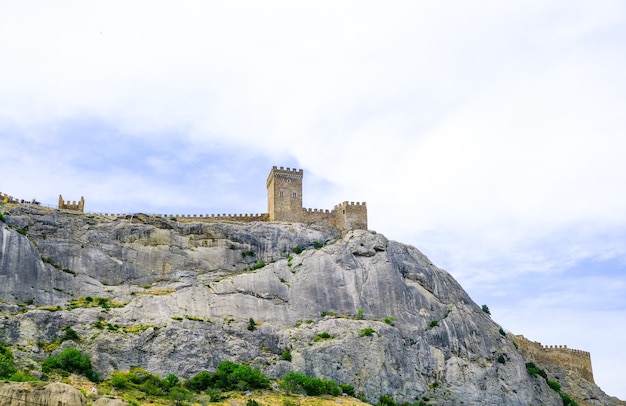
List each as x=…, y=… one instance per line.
x=53, y=394
x=190, y=289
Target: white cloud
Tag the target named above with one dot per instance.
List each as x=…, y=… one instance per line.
x=488, y=134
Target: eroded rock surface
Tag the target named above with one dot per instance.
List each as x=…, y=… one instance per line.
x=187, y=292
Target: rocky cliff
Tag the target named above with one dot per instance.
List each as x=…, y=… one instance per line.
x=179, y=298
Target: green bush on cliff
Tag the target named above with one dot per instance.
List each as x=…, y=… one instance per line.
x=70, y=360
x=300, y=383
x=7, y=362
x=229, y=376
x=535, y=370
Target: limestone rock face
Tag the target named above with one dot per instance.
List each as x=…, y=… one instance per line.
x=191, y=295
x=53, y=394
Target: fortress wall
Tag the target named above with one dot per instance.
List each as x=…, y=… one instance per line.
x=571, y=359
x=351, y=216
x=317, y=216
x=214, y=218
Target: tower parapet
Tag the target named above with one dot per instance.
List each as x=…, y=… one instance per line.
x=80, y=206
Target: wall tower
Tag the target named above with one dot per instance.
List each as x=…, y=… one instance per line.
x=284, y=194
x=80, y=206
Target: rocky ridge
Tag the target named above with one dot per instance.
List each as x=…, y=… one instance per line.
x=180, y=298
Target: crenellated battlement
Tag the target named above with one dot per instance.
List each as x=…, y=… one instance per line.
x=80, y=206
x=571, y=359
x=241, y=218
x=564, y=347
x=285, y=173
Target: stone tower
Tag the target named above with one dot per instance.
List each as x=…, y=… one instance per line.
x=284, y=194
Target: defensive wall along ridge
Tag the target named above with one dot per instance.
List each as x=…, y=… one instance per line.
x=284, y=201
x=571, y=359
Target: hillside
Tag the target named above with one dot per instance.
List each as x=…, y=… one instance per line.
x=178, y=298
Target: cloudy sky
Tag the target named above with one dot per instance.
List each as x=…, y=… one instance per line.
x=490, y=135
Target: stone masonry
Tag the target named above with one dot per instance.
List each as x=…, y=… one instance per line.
x=571, y=359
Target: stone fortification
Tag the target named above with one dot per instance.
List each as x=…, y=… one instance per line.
x=573, y=360
x=284, y=203
x=80, y=206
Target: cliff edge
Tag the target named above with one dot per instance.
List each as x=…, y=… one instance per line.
x=179, y=298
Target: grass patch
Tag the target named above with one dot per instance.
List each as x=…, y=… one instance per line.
x=259, y=264
x=88, y=301
x=323, y=336
x=157, y=292
x=366, y=332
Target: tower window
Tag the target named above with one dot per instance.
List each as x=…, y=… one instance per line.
x=280, y=194
x=294, y=195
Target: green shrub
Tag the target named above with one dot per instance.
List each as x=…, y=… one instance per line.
x=533, y=370
x=327, y=313
x=390, y=320
x=247, y=254
x=359, y=314
x=318, y=244
x=22, y=377
x=501, y=359
x=170, y=381
x=347, y=389
x=70, y=360
x=252, y=402
x=119, y=380
x=567, y=401
x=297, y=249
x=433, y=324
x=7, y=362
x=152, y=385
x=199, y=382
x=554, y=385
x=502, y=332
x=286, y=355
x=180, y=395
x=70, y=334
x=322, y=336
x=386, y=400
x=486, y=309
x=259, y=264
x=300, y=383
x=251, y=324
x=229, y=376
x=366, y=332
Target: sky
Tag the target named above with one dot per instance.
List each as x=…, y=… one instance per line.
x=490, y=135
